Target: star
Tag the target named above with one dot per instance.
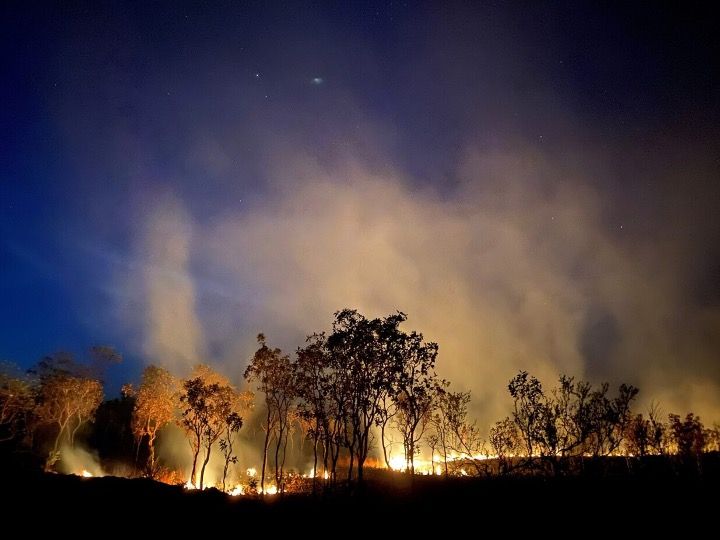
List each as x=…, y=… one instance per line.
x=317, y=81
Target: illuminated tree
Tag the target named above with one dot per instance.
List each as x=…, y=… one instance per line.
x=273, y=374
x=17, y=399
x=67, y=399
x=712, y=439
x=208, y=407
x=155, y=406
x=232, y=422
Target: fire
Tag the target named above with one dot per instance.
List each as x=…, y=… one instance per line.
x=312, y=474
x=434, y=465
x=270, y=490
x=237, y=490
x=251, y=471
x=86, y=474
x=422, y=466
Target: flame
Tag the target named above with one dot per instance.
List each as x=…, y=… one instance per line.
x=434, y=465
x=86, y=474
x=252, y=471
x=237, y=490
x=270, y=490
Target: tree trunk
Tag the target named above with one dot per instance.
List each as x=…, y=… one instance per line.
x=151, y=454
x=196, y=453
x=384, y=447
x=315, y=462
x=278, y=443
x=205, y=462
x=265, y=450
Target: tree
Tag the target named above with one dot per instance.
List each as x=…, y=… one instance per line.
x=312, y=377
x=573, y=419
x=361, y=353
x=456, y=435
x=504, y=442
x=638, y=436
x=67, y=398
x=413, y=388
x=610, y=418
x=232, y=424
x=273, y=374
x=155, y=406
x=17, y=399
x=688, y=435
x=528, y=409
x=207, y=411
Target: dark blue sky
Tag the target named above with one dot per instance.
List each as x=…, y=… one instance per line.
x=108, y=108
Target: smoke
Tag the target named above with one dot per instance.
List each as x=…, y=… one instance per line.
x=76, y=460
x=173, y=335
x=524, y=214
x=506, y=271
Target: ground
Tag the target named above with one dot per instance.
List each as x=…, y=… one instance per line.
x=388, y=504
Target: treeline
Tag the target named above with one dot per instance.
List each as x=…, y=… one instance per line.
x=348, y=392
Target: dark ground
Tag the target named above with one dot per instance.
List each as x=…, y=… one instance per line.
x=604, y=506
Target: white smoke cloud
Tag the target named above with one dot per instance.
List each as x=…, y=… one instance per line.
x=506, y=271
x=173, y=335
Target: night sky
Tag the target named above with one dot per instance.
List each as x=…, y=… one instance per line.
x=536, y=185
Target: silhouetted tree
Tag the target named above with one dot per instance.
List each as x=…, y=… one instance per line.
x=505, y=442
x=273, y=373
x=688, y=435
x=529, y=409
x=413, y=388
x=456, y=436
x=111, y=433
x=610, y=418
x=361, y=354
x=312, y=378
